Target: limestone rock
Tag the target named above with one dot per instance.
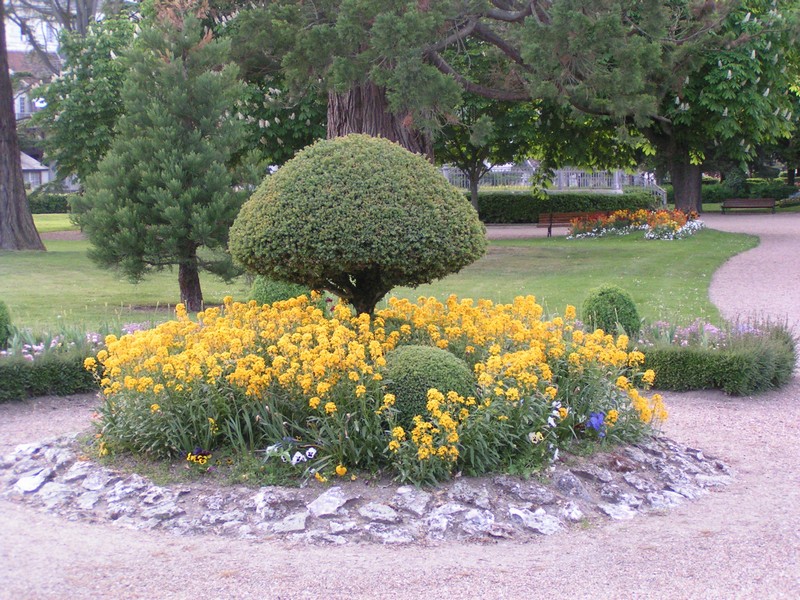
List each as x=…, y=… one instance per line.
x=292, y=524
x=379, y=513
x=328, y=503
x=538, y=521
x=411, y=499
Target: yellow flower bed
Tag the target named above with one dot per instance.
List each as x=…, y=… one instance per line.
x=252, y=375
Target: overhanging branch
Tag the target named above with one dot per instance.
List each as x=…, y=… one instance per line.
x=474, y=88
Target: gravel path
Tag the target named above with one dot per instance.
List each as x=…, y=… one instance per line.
x=741, y=542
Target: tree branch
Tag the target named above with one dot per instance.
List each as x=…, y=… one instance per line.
x=503, y=13
x=487, y=35
x=459, y=34
x=474, y=88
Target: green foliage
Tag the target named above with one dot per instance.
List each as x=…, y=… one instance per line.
x=523, y=207
x=59, y=374
x=751, y=365
x=412, y=370
x=5, y=325
x=357, y=216
x=608, y=306
x=267, y=291
x=84, y=102
x=165, y=188
x=42, y=203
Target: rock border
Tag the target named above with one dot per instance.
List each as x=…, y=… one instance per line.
x=652, y=476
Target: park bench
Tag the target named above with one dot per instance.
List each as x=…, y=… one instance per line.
x=748, y=203
x=565, y=219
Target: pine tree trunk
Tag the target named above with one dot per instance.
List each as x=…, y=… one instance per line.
x=365, y=109
x=189, y=283
x=17, y=231
x=686, y=181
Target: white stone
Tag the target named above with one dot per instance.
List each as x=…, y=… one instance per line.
x=571, y=512
x=538, y=521
x=292, y=524
x=619, y=512
x=411, y=499
x=328, y=503
x=380, y=513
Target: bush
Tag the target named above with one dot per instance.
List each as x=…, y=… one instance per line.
x=5, y=325
x=607, y=306
x=752, y=365
x=524, y=207
x=741, y=359
x=715, y=193
x=47, y=203
x=357, y=216
x=267, y=291
x=412, y=370
x=52, y=374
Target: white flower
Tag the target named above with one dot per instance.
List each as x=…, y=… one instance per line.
x=311, y=452
x=551, y=422
x=298, y=458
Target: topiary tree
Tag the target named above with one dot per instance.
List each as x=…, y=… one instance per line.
x=357, y=216
x=607, y=306
x=412, y=370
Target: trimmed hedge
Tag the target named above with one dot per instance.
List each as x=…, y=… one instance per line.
x=607, y=306
x=751, y=366
x=525, y=207
x=5, y=325
x=714, y=193
x=51, y=374
x=46, y=203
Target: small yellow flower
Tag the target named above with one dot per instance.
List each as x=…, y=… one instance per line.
x=569, y=313
x=319, y=477
x=611, y=417
x=101, y=449
x=341, y=470
x=649, y=376
x=394, y=445
x=389, y=399
x=330, y=408
x=154, y=408
x=90, y=364
x=314, y=402
x=360, y=390
x=563, y=412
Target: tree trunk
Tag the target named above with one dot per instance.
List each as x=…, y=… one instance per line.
x=189, y=283
x=365, y=109
x=686, y=181
x=791, y=172
x=474, y=179
x=17, y=231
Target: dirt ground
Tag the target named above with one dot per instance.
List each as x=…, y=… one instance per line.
x=740, y=542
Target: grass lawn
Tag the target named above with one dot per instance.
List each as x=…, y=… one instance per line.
x=53, y=222
x=668, y=280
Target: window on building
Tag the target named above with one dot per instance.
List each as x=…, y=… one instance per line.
x=32, y=179
x=21, y=105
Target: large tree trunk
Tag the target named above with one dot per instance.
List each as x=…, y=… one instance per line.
x=365, y=109
x=687, y=181
x=790, y=175
x=189, y=283
x=17, y=231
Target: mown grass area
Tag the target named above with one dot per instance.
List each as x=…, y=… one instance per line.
x=668, y=280
x=63, y=287
x=53, y=222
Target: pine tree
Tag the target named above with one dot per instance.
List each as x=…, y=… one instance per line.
x=165, y=190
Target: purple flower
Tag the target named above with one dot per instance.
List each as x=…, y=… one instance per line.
x=597, y=422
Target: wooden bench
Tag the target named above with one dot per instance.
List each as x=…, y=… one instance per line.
x=748, y=203
x=551, y=220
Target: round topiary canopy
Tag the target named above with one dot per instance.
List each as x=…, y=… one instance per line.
x=357, y=216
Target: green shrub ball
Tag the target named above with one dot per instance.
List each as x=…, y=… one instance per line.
x=412, y=370
x=267, y=291
x=357, y=216
x=607, y=306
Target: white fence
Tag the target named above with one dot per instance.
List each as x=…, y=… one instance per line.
x=563, y=179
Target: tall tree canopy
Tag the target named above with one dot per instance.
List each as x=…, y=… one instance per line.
x=164, y=193
x=84, y=102
x=388, y=64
